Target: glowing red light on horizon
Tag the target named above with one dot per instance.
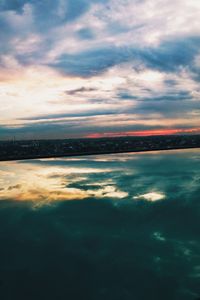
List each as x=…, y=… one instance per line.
x=145, y=133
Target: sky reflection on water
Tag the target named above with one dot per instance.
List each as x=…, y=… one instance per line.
x=107, y=227
x=148, y=176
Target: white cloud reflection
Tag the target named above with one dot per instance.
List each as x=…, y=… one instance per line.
x=49, y=183
x=152, y=196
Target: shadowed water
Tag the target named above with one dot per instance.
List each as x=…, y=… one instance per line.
x=111, y=227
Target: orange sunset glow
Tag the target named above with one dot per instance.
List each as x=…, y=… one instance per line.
x=146, y=133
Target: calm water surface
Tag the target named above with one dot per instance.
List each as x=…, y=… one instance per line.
x=114, y=227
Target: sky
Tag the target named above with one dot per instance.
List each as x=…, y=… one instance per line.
x=97, y=68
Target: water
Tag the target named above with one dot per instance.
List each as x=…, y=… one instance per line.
x=111, y=227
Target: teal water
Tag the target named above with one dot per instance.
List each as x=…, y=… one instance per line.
x=111, y=227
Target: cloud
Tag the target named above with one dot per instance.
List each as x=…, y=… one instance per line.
x=89, y=63
x=62, y=60
x=85, y=33
x=169, y=56
x=72, y=115
x=14, y=187
x=66, y=10
x=12, y=5
x=80, y=90
x=151, y=196
x=172, y=54
x=170, y=107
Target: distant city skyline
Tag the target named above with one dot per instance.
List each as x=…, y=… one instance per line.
x=99, y=68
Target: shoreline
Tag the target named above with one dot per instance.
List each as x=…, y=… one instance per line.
x=34, y=157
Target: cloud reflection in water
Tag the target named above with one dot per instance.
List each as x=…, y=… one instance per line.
x=122, y=240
